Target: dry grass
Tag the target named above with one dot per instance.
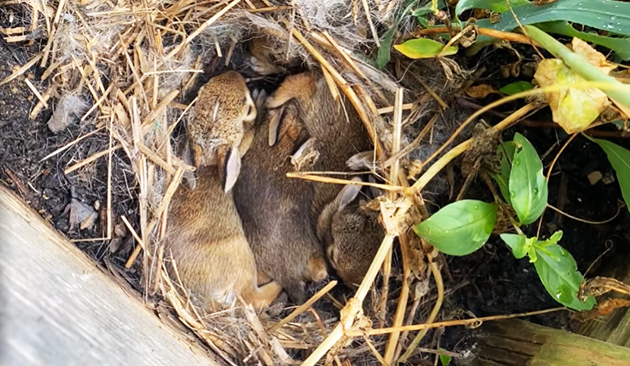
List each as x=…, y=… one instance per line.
x=137, y=63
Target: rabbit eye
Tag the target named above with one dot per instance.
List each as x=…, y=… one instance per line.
x=251, y=111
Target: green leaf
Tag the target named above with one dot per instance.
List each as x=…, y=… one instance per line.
x=610, y=16
x=527, y=185
x=498, y=6
x=516, y=87
x=445, y=360
x=423, y=22
x=506, y=156
x=620, y=160
x=518, y=243
x=553, y=239
x=423, y=48
x=558, y=272
x=459, y=228
x=426, y=9
x=384, y=52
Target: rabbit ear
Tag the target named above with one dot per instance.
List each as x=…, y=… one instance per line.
x=260, y=97
x=230, y=168
x=294, y=86
x=325, y=219
x=275, y=120
x=361, y=161
x=348, y=194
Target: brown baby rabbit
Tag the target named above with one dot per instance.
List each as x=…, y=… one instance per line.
x=333, y=128
x=281, y=225
x=275, y=211
x=223, y=125
x=205, y=237
x=206, y=241
x=351, y=234
x=269, y=57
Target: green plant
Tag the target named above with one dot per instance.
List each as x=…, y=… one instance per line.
x=464, y=226
x=557, y=17
x=424, y=48
x=619, y=158
x=384, y=52
x=516, y=87
x=445, y=360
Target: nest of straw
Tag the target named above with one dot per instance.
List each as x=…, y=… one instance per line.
x=131, y=69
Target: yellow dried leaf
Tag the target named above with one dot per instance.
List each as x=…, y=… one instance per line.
x=573, y=109
x=593, y=57
x=480, y=91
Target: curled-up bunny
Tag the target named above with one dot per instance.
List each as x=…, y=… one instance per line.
x=307, y=128
x=351, y=234
x=275, y=211
x=206, y=241
x=205, y=238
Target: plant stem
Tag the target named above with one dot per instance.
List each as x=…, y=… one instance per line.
x=619, y=91
x=437, y=276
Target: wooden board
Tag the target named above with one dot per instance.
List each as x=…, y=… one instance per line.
x=520, y=343
x=615, y=327
x=58, y=308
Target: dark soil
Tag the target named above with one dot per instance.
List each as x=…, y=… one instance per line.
x=43, y=184
x=487, y=282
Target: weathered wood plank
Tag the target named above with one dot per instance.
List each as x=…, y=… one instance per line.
x=519, y=343
x=615, y=327
x=58, y=308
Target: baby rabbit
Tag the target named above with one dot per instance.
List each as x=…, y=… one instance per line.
x=275, y=210
x=205, y=239
x=269, y=57
x=351, y=234
x=333, y=128
x=223, y=125
x=281, y=226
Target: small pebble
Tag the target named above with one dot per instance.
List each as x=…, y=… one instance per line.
x=595, y=177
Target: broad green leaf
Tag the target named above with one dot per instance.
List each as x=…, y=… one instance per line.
x=423, y=48
x=516, y=87
x=518, y=244
x=506, y=156
x=498, y=6
x=527, y=185
x=459, y=228
x=558, y=272
x=610, y=16
x=620, y=160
